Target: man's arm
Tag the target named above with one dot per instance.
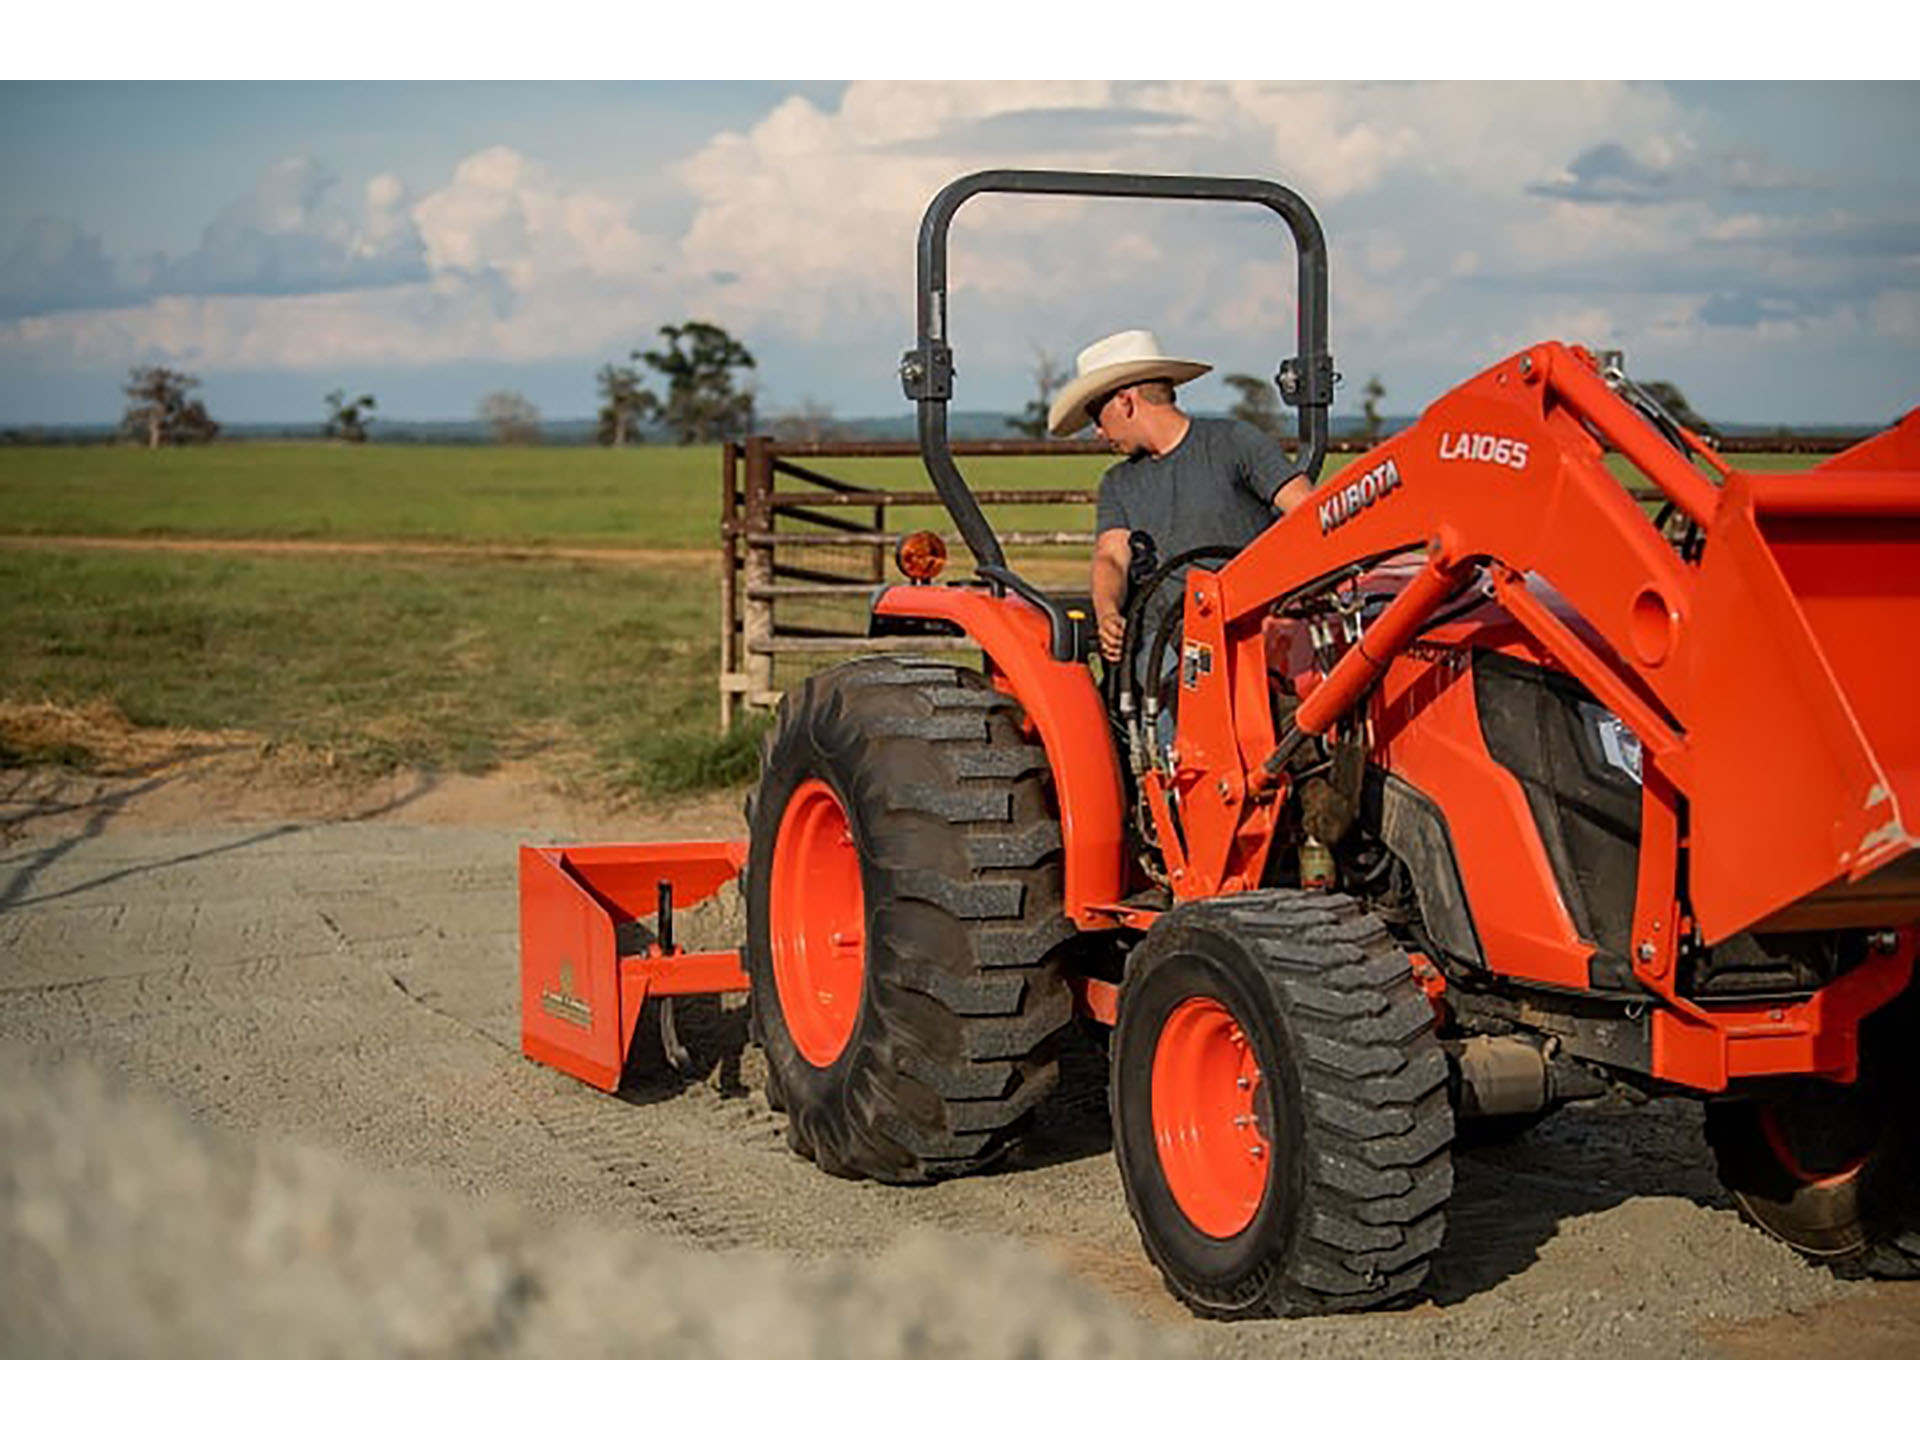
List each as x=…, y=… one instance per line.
x=1294, y=492
x=1265, y=469
x=1110, y=557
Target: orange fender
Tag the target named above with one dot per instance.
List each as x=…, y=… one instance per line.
x=1064, y=706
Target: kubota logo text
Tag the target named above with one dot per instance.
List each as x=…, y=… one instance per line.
x=1377, y=483
x=1494, y=449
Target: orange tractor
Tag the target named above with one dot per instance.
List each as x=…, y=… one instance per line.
x=1489, y=787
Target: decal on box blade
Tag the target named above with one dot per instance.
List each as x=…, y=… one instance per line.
x=1376, y=484
x=1493, y=449
x=563, y=1004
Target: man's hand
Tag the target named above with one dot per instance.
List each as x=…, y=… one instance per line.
x=1109, y=583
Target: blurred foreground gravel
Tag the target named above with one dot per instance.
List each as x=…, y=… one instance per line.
x=128, y=1231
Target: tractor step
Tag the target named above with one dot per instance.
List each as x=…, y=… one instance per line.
x=596, y=943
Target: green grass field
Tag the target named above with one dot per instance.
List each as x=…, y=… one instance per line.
x=472, y=495
x=452, y=662
x=647, y=496
x=455, y=661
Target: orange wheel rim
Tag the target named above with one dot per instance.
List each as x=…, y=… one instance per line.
x=1774, y=1129
x=1206, y=1091
x=817, y=915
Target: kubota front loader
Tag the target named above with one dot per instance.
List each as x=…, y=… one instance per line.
x=1490, y=787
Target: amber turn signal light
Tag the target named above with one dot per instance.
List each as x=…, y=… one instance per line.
x=920, y=556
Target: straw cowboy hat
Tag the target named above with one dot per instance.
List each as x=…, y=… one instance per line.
x=1109, y=365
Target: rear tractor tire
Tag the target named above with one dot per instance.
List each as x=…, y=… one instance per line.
x=1834, y=1170
x=1280, y=1107
x=903, y=889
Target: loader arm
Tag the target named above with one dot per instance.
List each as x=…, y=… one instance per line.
x=1758, y=675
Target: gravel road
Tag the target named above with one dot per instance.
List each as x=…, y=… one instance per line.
x=261, y=1094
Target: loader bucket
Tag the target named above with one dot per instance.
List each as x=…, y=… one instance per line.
x=1806, y=733
x=591, y=951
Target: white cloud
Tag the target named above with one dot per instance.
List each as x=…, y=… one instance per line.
x=507, y=265
x=290, y=235
x=817, y=212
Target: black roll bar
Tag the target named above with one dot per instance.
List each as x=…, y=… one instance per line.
x=1305, y=380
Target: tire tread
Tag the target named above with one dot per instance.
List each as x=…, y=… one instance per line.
x=967, y=993
x=1373, y=1092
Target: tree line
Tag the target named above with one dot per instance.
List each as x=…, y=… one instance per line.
x=697, y=367
x=693, y=388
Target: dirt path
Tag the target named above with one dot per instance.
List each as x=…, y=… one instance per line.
x=303, y=1005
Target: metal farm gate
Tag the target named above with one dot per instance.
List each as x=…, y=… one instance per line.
x=802, y=551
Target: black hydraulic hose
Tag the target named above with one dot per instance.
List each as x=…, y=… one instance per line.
x=1687, y=544
x=1464, y=607
x=1137, y=603
x=1143, y=559
x=1162, y=633
x=1657, y=415
x=1116, y=679
x=1173, y=618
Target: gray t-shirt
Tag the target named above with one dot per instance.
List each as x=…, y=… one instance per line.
x=1215, y=487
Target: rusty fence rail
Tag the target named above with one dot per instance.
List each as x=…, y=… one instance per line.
x=803, y=549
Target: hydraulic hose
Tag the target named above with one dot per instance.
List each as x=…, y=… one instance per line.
x=1137, y=603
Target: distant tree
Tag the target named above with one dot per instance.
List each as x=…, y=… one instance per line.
x=1258, y=405
x=626, y=404
x=1667, y=395
x=703, y=401
x=1048, y=377
x=347, y=419
x=812, y=422
x=511, y=417
x=1370, y=418
x=161, y=413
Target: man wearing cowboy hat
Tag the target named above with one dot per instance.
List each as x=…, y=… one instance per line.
x=1187, y=482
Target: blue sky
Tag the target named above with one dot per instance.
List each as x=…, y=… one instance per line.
x=1756, y=243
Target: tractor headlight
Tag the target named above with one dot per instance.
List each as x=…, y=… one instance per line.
x=1612, y=741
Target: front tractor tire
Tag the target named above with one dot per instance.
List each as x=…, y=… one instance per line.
x=1280, y=1108
x=903, y=890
